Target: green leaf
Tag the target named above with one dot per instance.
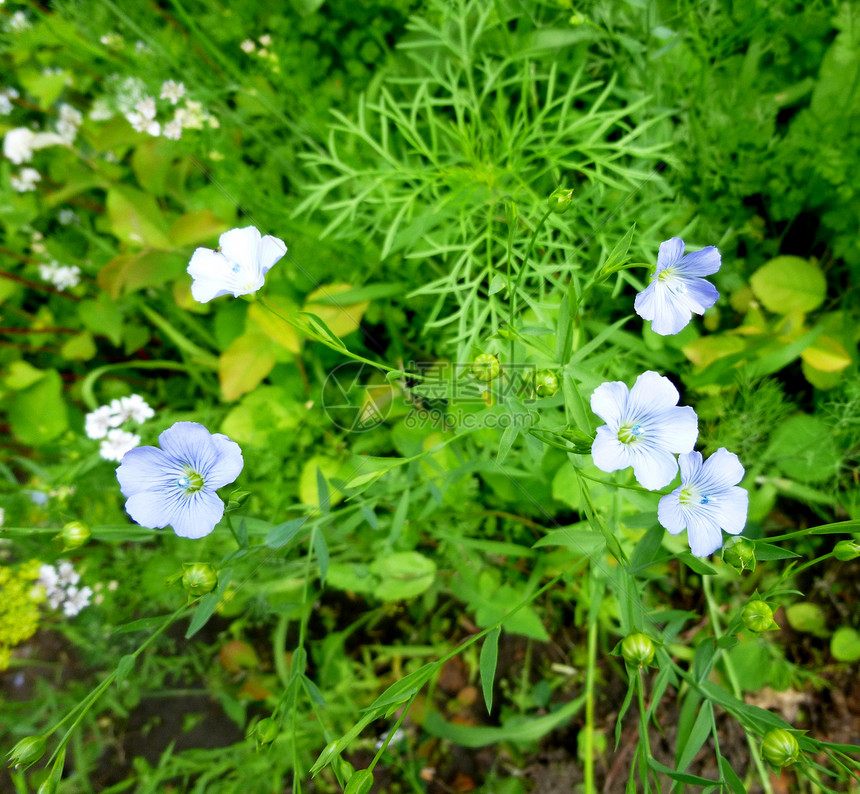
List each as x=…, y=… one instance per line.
x=734, y=782
x=132, y=272
x=703, y=659
x=681, y=777
x=691, y=743
x=208, y=604
x=284, y=533
x=151, y=162
x=489, y=658
x=321, y=550
x=197, y=227
x=845, y=644
x=38, y=413
x=402, y=575
x=803, y=448
x=103, y=317
x=697, y=564
x=245, y=363
x=400, y=691
x=125, y=666
x=136, y=217
x=628, y=698
x=789, y=283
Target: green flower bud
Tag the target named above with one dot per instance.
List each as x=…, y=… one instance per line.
x=29, y=750
x=73, y=535
x=846, y=550
x=780, y=748
x=48, y=787
x=267, y=731
x=740, y=554
x=506, y=333
x=486, y=367
x=560, y=199
x=758, y=616
x=545, y=383
x=237, y=499
x=637, y=649
x=199, y=578
x=360, y=783
x=580, y=440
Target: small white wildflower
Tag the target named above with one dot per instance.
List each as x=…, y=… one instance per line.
x=263, y=53
x=67, y=276
x=173, y=91
x=67, y=217
x=76, y=600
x=133, y=407
x=97, y=423
x=20, y=143
x=248, y=46
x=67, y=575
x=113, y=584
x=57, y=597
x=5, y=105
x=25, y=181
x=19, y=22
x=112, y=40
x=146, y=107
x=48, y=578
x=173, y=130
x=12, y=93
x=141, y=46
x=99, y=600
x=101, y=110
x=117, y=443
x=143, y=124
x=265, y=39
x=2, y=516
x=70, y=120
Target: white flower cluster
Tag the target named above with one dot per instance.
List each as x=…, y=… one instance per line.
x=104, y=423
x=69, y=123
x=25, y=181
x=143, y=116
x=61, y=588
x=6, y=97
x=61, y=276
x=18, y=22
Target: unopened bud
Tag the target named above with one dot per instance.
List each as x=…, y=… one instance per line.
x=637, y=649
x=29, y=750
x=846, y=550
x=237, y=499
x=780, y=748
x=740, y=555
x=757, y=616
x=73, y=535
x=267, y=731
x=545, y=383
x=360, y=783
x=486, y=367
x=560, y=199
x=199, y=578
x=581, y=441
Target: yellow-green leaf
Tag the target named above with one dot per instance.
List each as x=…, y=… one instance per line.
x=136, y=218
x=789, y=283
x=342, y=319
x=197, y=227
x=130, y=272
x=245, y=363
x=271, y=325
x=707, y=349
x=826, y=354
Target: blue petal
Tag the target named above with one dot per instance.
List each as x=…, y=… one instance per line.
x=191, y=444
x=670, y=252
x=228, y=463
x=153, y=509
x=654, y=468
x=197, y=515
x=652, y=394
x=691, y=466
x=144, y=469
x=675, y=430
x=645, y=303
x=669, y=513
x=703, y=533
x=701, y=263
x=698, y=295
x=609, y=402
x=608, y=453
x=212, y=275
x=730, y=510
x=721, y=471
x=271, y=250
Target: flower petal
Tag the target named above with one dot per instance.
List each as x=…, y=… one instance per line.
x=698, y=295
x=654, y=468
x=721, y=471
x=704, y=535
x=228, y=464
x=609, y=402
x=670, y=314
x=143, y=469
x=240, y=246
x=730, y=510
x=150, y=508
x=608, y=453
x=669, y=513
x=197, y=515
x=700, y=263
x=211, y=273
x=670, y=252
x=271, y=250
x=691, y=466
x=190, y=443
x=651, y=394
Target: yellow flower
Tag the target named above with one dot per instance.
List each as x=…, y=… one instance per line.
x=19, y=611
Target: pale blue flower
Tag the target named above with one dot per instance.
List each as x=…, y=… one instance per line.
x=708, y=500
x=176, y=485
x=239, y=266
x=677, y=289
x=644, y=427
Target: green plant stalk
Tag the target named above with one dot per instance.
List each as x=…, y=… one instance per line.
x=644, y=749
x=764, y=777
x=84, y=706
x=588, y=750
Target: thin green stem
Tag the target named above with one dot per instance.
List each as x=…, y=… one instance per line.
x=588, y=750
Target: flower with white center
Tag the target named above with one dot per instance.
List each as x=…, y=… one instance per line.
x=173, y=130
x=173, y=91
x=20, y=143
x=176, y=485
x=76, y=600
x=66, y=574
x=117, y=444
x=239, y=266
x=677, y=288
x=644, y=427
x=134, y=408
x=708, y=500
x=248, y=46
x=25, y=181
x=67, y=217
x=97, y=423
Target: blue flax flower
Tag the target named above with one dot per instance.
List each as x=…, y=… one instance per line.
x=708, y=500
x=239, y=267
x=176, y=484
x=644, y=427
x=677, y=288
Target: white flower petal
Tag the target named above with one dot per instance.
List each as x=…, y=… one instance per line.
x=704, y=536
x=197, y=515
x=731, y=508
x=654, y=468
x=651, y=394
x=608, y=453
x=669, y=513
x=609, y=402
x=147, y=511
x=240, y=246
x=270, y=251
